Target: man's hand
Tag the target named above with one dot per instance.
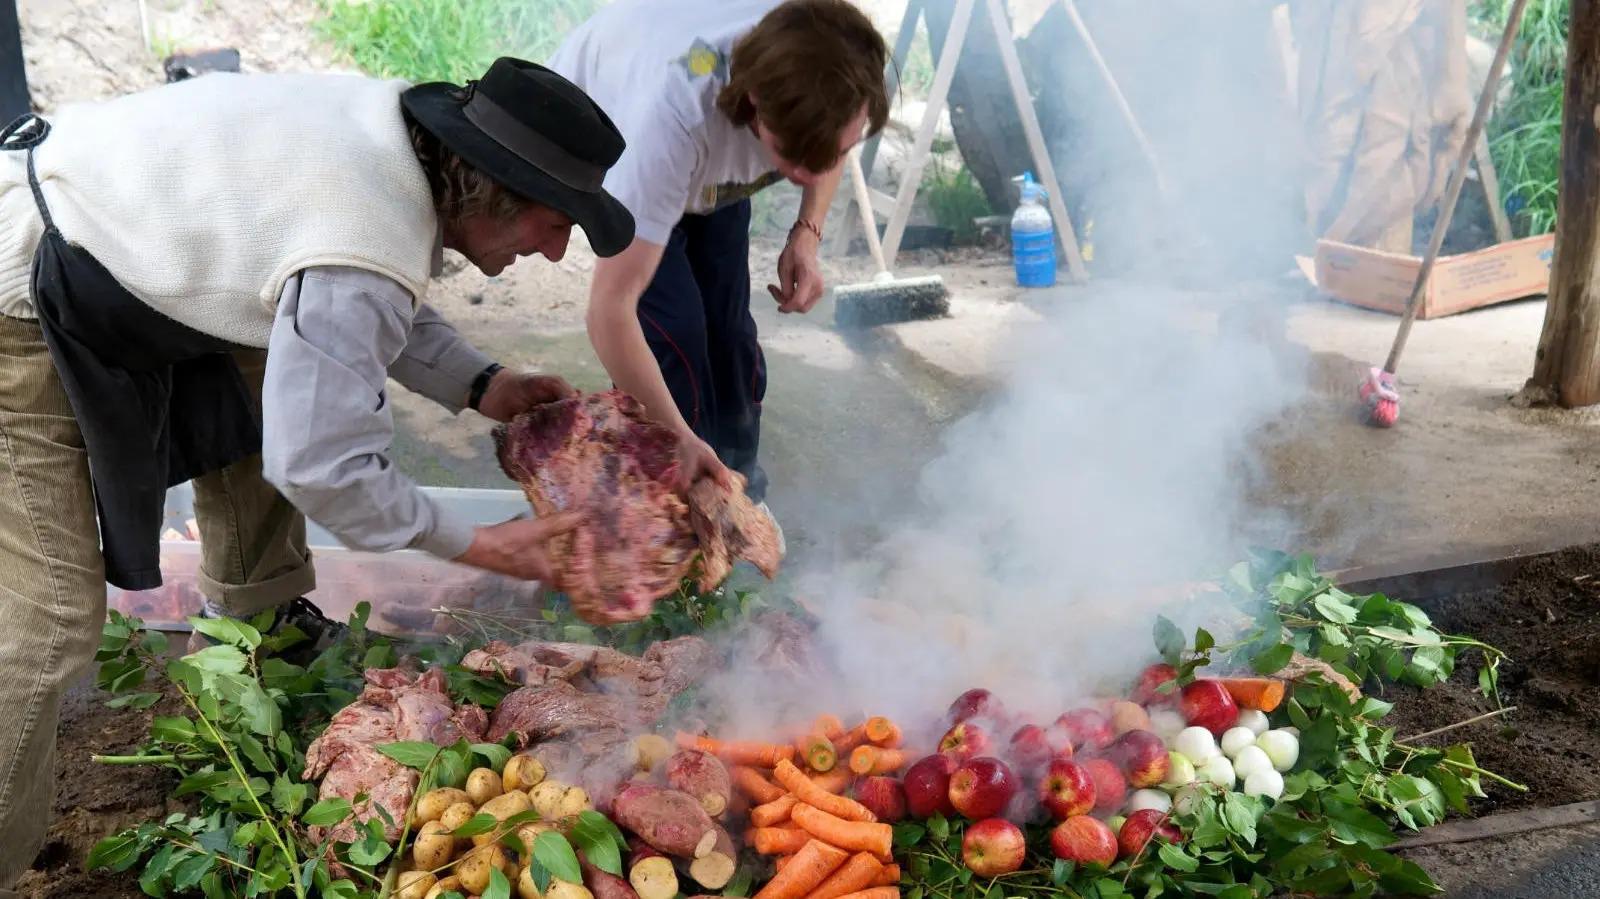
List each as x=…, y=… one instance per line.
x=696, y=459
x=799, y=284
x=510, y=393
x=516, y=548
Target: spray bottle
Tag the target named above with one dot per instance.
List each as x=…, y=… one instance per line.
x=1033, y=236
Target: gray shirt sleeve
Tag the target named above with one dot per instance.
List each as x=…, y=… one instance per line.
x=326, y=417
x=437, y=361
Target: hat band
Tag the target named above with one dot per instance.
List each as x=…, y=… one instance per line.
x=533, y=147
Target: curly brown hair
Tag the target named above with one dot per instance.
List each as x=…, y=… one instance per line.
x=812, y=65
x=459, y=190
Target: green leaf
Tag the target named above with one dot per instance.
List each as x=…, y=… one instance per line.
x=1177, y=859
x=372, y=848
x=1169, y=640
x=740, y=885
x=1428, y=659
x=1334, y=609
x=1332, y=635
x=155, y=871
x=134, y=700
x=289, y=797
x=229, y=631
x=938, y=828
x=907, y=834
x=412, y=754
x=117, y=852
x=1373, y=708
x=1353, y=824
x=1239, y=813
x=217, y=660
x=554, y=852
x=1298, y=716
x=496, y=754
x=1061, y=873
x=1203, y=641
x=187, y=873
x=1272, y=660
x=327, y=813
x=203, y=782
x=1408, y=879
x=594, y=839
x=172, y=730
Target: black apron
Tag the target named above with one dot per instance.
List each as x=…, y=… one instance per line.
x=158, y=402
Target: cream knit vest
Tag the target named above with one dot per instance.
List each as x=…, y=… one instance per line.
x=203, y=197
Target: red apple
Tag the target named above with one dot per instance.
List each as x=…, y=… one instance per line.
x=1084, y=840
x=1146, y=691
x=974, y=704
x=1110, y=787
x=992, y=847
x=1030, y=747
x=982, y=787
x=1087, y=728
x=964, y=741
x=1142, y=756
x=1126, y=716
x=1067, y=790
x=1140, y=827
x=927, y=787
x=1207, y=704
x=884, y=797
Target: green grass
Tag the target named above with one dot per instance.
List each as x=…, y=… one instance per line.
x=447, y=40
x=953, y=195
x=1525, y=135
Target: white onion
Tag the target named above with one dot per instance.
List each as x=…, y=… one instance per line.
x=1250, y=760
x=1180, y=771
x=1197, y=744
x=1283, y=748
x=1255, y=719
x=1143, y=799
x=1218, y=771
x=1236, y=739
x=1268, y=783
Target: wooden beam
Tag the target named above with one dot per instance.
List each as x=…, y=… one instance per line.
x=1115, y=89
x=1036, y=144
x=1567, y=365
x=1490, y=179
x=1504, y=824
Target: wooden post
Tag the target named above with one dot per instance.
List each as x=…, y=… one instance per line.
x=1566, y=369
x=13, y=76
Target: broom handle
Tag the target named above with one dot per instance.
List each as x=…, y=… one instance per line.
x=864, y=200
x=1447, y=206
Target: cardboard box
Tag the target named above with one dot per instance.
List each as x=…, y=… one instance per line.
x=1377, y=280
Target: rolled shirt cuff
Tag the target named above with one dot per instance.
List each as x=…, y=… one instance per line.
x=450, y=535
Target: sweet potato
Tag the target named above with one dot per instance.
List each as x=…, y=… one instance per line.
x=714, y=869
x=653, y=877
x=672, y=822
x=604, y=885
x=702, y=776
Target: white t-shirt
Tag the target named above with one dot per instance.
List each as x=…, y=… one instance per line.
x=656, y=67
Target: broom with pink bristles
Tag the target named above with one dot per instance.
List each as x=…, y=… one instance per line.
x=1380, y=395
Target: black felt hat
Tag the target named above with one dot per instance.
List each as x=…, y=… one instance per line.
x=535, y=133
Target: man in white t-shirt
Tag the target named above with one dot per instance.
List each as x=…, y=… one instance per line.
x=716, y=100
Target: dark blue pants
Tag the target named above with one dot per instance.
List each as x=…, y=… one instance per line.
x=696, y=318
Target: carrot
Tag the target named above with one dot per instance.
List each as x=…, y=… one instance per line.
x=774, y=812
x=875, y=893
x=755, y=785
x=835, y=781
x=817, y=752
x=883, y=732
x=851, y=739
x=811, y=794
x=861, y=836
x=1260, y=693
x=780, y=861
x=829, y=726
x=811, y=866
x=869, y=760
x=887, y=877
x=776, y=840
x=758, y=755
x=859, y=873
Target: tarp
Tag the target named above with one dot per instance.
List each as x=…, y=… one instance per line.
x=1384, y=104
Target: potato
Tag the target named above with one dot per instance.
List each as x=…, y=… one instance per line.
x=457, y=815
x=529, y=832
x=414, y=885
x=526, y=888
x=574, y=801
x=475, y=867
x=523, y=772
x=433, y=846
x=546, y=798
x=501, y=807
x=650, y=750
x=434, y=803
x=483, y=785
x=451, y=884
x=560, y=889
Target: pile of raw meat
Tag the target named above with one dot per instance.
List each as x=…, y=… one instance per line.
x=599, y=455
